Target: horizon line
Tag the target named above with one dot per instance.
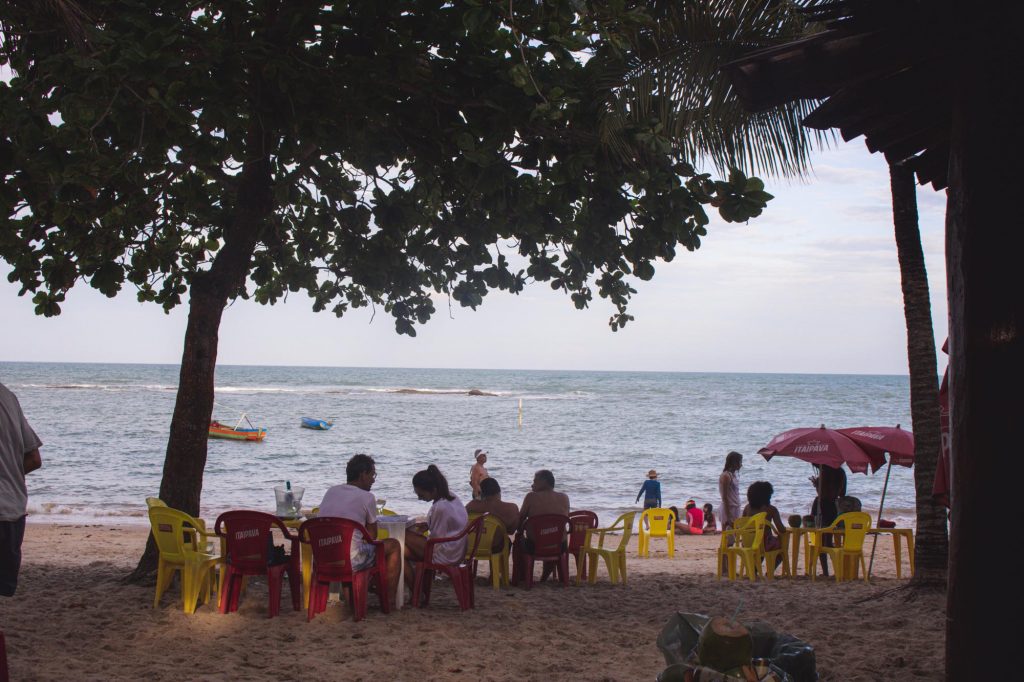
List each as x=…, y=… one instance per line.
x=463, y=369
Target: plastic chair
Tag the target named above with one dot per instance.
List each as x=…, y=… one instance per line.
x=771, y=558
x=579, y=523
x=461, y=574
x=851, y=528
x=248, y=540
x=493, y=528
x=657, y=523
x=199, y=523
x=614, y=559
x=727, y=538
x=177, y=536
x=747, y=546
x=549, y=544
x=330, y=540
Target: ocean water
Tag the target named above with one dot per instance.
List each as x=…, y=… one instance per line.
x=105, y=428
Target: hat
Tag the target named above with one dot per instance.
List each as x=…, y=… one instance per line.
x=689, y=503
x=479, y=452
x=652, y=474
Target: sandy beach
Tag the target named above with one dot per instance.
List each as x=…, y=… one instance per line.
x=73, y=619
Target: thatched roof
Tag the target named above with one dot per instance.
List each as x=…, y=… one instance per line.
x=884, y=69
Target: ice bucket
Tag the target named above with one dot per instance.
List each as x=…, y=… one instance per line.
x=289, y=502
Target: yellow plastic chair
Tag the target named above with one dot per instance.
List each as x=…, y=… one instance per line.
x=199, y=523
x=771, y=556
x=493, y=528
x=747, y=546
x=170, y=527
x=614, y=559
x=729, y=537
x=849, y=530
x=657, y=523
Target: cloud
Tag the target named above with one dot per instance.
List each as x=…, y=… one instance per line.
x=872, y=212
x=848, y=176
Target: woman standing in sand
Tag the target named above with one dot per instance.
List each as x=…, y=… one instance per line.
x=729, y=489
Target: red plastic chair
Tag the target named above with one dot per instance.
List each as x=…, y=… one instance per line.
x=330, y=540
x=549, y=533
x=461, y=574
x=248, y=537
x=579, y=523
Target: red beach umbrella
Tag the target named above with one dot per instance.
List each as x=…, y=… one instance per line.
x=820, y=446
x=878, y=440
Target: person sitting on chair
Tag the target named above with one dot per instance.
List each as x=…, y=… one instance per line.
x=446, y=517
x=354, y=501
x=542, y=499
x=759, y=499
x=490, y=502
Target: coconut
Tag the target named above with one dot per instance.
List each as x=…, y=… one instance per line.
x=724, y=645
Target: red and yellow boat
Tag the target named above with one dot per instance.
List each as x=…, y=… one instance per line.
x=236, y=432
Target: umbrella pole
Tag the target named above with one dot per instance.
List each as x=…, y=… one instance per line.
x=881, y=505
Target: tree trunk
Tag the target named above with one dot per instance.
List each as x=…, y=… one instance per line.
x=984, y=243
x=185, y=461
x=931, y=544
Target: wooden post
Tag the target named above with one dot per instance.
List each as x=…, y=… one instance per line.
x=984, y=248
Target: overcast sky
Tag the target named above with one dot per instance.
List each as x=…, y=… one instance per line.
x=810, y=286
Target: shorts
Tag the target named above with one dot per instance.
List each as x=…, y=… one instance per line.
x=363, y=555
x=11, y=535
x=651, y=504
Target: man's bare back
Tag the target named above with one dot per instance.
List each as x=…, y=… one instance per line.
x=506, y=512
x=544, y=502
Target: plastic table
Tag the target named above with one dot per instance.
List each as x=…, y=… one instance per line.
x=395, y=525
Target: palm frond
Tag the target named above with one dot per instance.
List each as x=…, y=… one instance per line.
x=674, y=75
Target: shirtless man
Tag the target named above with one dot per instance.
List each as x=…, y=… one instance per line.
x=490, y=501
x=478, y=473
x=543, y=499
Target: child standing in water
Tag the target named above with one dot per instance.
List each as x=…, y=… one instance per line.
x=651, y=491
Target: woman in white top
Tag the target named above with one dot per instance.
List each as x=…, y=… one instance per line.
x=447, y=517
x=729, y=489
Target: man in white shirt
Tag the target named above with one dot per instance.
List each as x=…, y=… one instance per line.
x=19, y=454
x=354, y=501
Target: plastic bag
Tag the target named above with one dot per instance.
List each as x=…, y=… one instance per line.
x=792, y=660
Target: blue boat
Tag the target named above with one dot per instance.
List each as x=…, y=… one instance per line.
x=318, y=424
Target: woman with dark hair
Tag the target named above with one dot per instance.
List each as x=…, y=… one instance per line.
x=759, y=499
x=447, y=517
x=729, y=489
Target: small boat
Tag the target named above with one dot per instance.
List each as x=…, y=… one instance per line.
x=237, y=432
x=318, y=424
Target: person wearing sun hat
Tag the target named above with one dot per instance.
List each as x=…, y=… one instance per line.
x=477, y=472
x=651, y=491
